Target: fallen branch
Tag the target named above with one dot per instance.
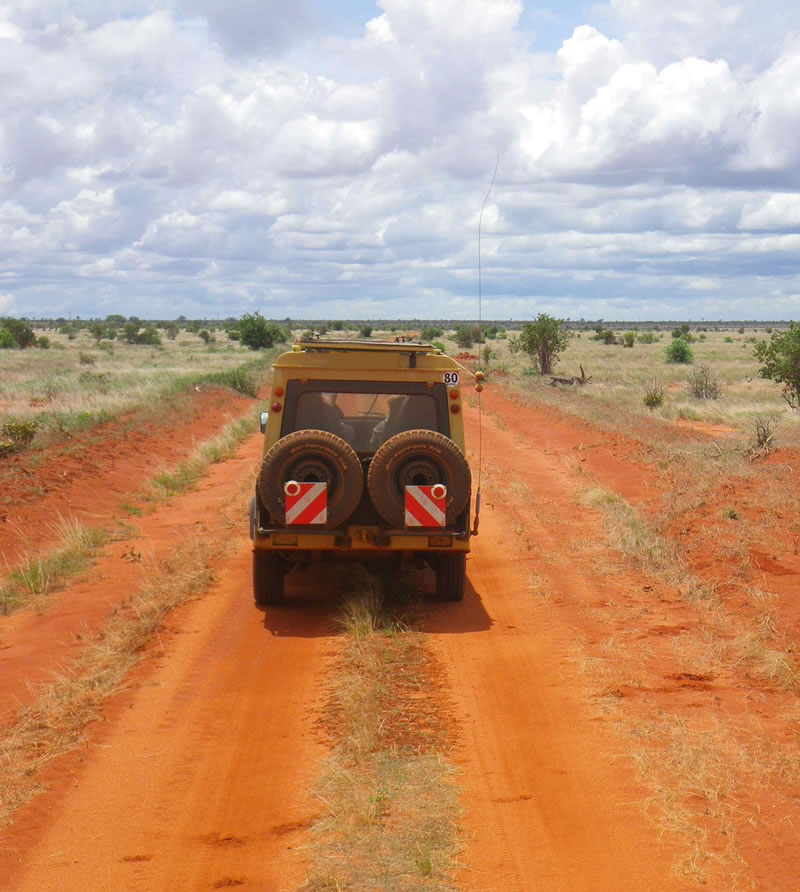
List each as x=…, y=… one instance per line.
x=572, y=380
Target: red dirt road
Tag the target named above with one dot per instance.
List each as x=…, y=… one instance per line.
x=200, y=775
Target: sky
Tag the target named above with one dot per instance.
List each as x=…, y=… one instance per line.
x=329, y=160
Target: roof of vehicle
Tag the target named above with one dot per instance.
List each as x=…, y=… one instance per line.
x=361, y=357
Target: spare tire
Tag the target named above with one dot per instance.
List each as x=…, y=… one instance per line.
x=417, y=457
x=312, y=456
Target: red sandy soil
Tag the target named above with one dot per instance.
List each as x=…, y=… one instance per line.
x=88, y=475
x=199, y=775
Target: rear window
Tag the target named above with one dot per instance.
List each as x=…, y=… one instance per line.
x=364, y=418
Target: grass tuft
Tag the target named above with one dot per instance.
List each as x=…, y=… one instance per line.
x=77, y=549
x=177, y=480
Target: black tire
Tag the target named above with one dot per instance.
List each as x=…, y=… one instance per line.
x=312, y=456
x=417, y=457
x=451, y=574
x=268, y=572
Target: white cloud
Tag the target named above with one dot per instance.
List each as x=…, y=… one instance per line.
x=228, y=157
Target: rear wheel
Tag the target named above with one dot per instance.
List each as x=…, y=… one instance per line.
x=268, y=572
x=451, y=573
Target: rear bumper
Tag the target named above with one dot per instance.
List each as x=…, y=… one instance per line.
x=365, y=539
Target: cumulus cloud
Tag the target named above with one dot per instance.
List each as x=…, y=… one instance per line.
x=206, y=158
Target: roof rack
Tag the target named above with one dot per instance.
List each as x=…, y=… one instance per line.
x=379, y=346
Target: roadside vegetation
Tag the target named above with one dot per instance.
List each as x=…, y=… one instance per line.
x=76, y=549
x=714, y=378
x=80, y=381
x=77, y=546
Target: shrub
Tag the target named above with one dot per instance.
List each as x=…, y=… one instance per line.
x=21, y=332
x=763, y=436
x=466, y=335
x=543, y=339
x=172, y=331
x=365, y=331
x=86, y=358
x=43, y=342
x=16, y=435
x=628, y=338
x=337, y=325
x=430, y=332
x=258, y=334
x=704, y=384
x=241, y=380
x=728, y=339
x=653, y=394
x=6, y=339
x=439, y=345
x=646, y=337
x=604, y=335
x=679, y=352
x=205, y=335
x=780, y=361
x=149, y=336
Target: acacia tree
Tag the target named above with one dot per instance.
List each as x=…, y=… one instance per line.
x=543, y=339
x=780, y=361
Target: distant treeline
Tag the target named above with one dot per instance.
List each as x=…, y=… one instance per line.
x=414, y=324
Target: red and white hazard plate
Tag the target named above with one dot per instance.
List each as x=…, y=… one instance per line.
x=425, y=505
x=306, y=503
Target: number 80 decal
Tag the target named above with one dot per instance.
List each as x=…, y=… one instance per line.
x=450, y=379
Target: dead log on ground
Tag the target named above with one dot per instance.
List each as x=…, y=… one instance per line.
x=572, y=380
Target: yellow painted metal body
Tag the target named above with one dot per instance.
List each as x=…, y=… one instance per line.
x=355, y=361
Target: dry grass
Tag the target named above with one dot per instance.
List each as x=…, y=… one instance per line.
x=75, y=385
x=613, y=399
x=57, y=721
x=650, y=552
x=170, y=482
x=390, y=804
x=77, y=548
x=697, y=764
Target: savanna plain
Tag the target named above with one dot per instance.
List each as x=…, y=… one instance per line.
x=613, y=705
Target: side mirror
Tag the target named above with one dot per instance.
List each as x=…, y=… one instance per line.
x=263, y=424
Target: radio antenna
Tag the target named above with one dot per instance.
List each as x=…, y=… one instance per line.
x=479, y=375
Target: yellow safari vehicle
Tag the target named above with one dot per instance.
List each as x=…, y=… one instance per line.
x=363, y=458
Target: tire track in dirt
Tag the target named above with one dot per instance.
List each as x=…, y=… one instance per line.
x=548, y=803
x=200, y=775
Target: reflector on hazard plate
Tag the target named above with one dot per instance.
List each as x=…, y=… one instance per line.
x=425, y=505
x=306, y=503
